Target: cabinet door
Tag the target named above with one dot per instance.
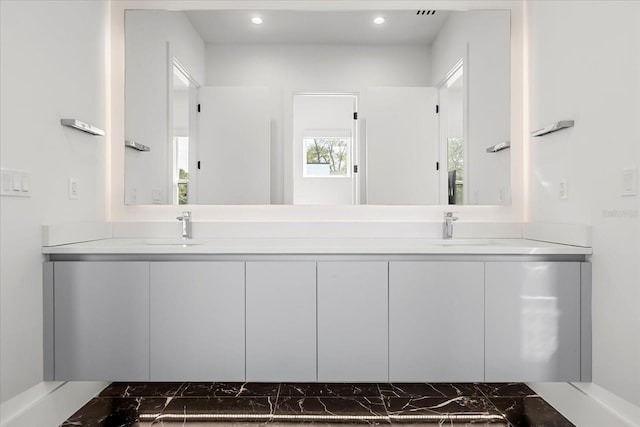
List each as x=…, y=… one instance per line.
x=436, y=321
x=101, y=316
x=353, y=321
x=197, y=321
x=532, y=321
x=281, y=321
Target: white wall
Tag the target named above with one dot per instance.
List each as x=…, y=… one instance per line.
x=311, y=68
x=584, y=64
x=148, y=81
x=487, y=76
x=53, y=65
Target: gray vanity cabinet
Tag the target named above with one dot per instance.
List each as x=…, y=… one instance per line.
x=197, y=321
x=337, y=319
x=353, y=321
x=281, y=321
x=436, y=321
x=101, y=321
x=532, y=321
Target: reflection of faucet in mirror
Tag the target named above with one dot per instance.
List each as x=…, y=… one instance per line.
x=447, y=225
x=186, y=224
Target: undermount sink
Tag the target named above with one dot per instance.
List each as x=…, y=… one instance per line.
x=174, y=242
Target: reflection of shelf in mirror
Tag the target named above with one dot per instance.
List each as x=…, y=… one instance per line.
x=499, y=147
x=85, y=127
x=136, y=146
x=563, y=124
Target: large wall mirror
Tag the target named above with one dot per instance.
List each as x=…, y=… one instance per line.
x=227, y=107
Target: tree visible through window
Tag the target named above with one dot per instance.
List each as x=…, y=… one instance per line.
x=181, y=185
x=455, y=160
x=326, y=156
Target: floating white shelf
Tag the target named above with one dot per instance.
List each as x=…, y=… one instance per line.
x=85, y=127
x=136, y=146
x=499, y=147
x=563, y=124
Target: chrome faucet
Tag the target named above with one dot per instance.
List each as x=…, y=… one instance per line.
x=447, y=225
x=186, y=224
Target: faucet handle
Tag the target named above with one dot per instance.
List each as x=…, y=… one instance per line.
x=448, y=215
x=185, y=215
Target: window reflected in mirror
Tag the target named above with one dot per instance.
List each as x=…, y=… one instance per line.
x=326, y=157
x=180, y=117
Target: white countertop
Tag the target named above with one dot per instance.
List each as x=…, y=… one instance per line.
x=317, y=246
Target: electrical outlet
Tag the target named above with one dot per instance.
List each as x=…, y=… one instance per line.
x=629, y=182
x=74, y=188
x=563, y=190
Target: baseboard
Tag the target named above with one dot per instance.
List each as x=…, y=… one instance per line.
x=621, y=407
x=48, y=404
x=18, y=404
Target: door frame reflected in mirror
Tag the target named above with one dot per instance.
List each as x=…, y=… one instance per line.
x=448, y=189
x=329, y=127
x=189, y=183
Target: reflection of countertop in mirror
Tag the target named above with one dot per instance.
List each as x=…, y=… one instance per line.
x=292, y=246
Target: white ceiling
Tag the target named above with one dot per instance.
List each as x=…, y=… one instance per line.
x=316, y=27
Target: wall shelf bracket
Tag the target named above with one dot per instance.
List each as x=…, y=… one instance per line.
x=136, y=145
x=80, y=125
x=554, y=127
x=499, y=147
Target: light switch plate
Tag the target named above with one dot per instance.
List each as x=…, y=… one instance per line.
x=15, y=183
x=26, y=183
x=629, y=182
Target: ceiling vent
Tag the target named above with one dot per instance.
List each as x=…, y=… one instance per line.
x=426, y=12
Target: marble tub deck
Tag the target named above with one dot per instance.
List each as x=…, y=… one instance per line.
x=237, y=404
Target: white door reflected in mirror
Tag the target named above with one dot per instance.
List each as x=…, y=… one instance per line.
x=324, y=146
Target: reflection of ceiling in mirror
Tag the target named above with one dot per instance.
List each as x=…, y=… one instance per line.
x=302, y=27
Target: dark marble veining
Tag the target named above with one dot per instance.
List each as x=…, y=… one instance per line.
x=251, y=404
x=219, y=409
x=505, y=389
x=529, y=412
x=118, y=412
x=141, y=390
x=430, y=390
x=327, y=390
x=228, y=389
x=442, y=409
x=352, y=409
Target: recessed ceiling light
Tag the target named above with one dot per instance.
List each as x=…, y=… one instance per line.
x=256, y=20
x=379, y=20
